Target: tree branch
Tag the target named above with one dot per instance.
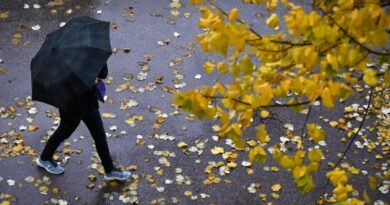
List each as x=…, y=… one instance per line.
x=275, y=51
x=255, y=32
x=354, y=136
x=239, y=20
x=307, y=118
x=353, y=39
x=360, y=127
x=265, y=106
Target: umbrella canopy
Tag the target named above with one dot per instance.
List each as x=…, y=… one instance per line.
x=70, y=59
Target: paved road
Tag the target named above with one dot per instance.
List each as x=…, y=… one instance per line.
x=140, y=26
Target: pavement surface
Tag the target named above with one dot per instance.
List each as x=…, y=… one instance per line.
x=163, y=173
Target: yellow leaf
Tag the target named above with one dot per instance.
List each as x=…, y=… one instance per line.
x=109, y=115
x=221, y=66
x=4, y=14
x=372, y=182
x=182, y=144
x=217, y=150
x=354, y=170
x=271, y=5
x=246, y=65
x=299, y=157
x=33, y=128
x=273, y=21
x=345, y=4
x=315, y=132
x=313, y=166
x=305, y=184
x=17, y=148
x=208, y=67
x=326, y=98
x=370, y=77
x=299, y=171
x=265, y=91
x=196, y=2
x=276, y=187
x=251, y=143
x=264, y=113
x=342, y=191
x=55, y=190
x=233, y=14
x=333, y=123
x=187, y=193
x=262, y=134
x=315, y=155
x=337, y=176
x=287, y=162
x=257, y=154
x=387, y=77
x=3, y=70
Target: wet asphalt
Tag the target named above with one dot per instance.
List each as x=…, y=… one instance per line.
x=140, y=26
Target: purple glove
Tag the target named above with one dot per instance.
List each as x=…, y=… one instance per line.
x=100, y=90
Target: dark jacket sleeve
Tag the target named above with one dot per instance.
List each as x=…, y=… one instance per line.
x=103, y=72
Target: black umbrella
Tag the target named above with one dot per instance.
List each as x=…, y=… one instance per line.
x=70, y=59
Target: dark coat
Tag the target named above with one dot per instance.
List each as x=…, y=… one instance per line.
x=86, y=102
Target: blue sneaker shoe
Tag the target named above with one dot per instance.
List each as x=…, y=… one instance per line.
x=50, y=166
x=117, y=174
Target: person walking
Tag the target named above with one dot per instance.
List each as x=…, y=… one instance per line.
x=67, y=73
x=86, y=109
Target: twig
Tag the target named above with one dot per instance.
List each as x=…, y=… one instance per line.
x=354, y=136
x=239, y=20
x=307, y=118
x=263, y=106
x=275, y=51
x=360, y=127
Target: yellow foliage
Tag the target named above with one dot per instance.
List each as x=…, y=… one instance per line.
x=299, y=171
x=196, y=2
x=233, y=14
x=342, y=191
x=273, y=20
x=321, y=56
x=315, y=132
x=315, y=155
x=262, y=134
x=257, y=154
x=337, y=176
x=370, y=77
x=271, y=5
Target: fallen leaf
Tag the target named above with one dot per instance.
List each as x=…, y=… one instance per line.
x=276, y=187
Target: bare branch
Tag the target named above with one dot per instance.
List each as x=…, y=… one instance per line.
x=354, y=136
x=360, y=127
x=307, y=118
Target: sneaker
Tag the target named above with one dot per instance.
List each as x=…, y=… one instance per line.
x=50, y=165
x=117, y=174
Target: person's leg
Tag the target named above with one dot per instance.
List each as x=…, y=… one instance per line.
x=95, y=126
x=69, y=123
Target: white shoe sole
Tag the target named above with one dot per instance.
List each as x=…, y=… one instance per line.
x=43, y=166
x=115, y=178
